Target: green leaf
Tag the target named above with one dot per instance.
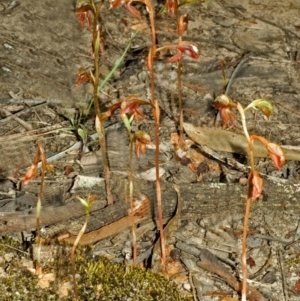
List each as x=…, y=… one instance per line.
x=131, y=118
x=83, y=202
x=111, y=73
x=261, y=104
x=82, y=134
x=117, y=64
x=127, y=122
x=97, y=43
x=80, y=3
x=98, y=126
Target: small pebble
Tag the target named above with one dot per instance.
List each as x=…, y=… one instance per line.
x=175, y=254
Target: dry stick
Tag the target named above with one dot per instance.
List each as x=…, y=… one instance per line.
x=253, y=294
x=284, y=285
x=23, y=123
x=100, y=128
x=106, y=231
x=193, y=286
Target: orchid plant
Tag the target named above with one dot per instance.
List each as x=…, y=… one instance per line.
x=129, y=111
x=182, y=48
x=29, y=176
x=87, y=13
x=154, y=103
x=255, y=182
x=87, y=204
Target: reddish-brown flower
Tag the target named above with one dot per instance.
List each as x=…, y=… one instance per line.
x=128, y=105
x=32, y=171
x=30, y=174
x=276, y=154
x=116, y=3
x=141, y=139
x=83, y=14
x=225, y=104
x=275, y=151
x=189, y=48
x=127, y=3
x=183, y=48
x=224, y=101
x=82, y=76
x=171, y=6
x=255, y=184
x=183, y=24
x=228, y=117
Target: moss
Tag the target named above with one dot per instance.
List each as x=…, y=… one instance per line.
x=122, y=282
x=293, y=261
x=98, y=279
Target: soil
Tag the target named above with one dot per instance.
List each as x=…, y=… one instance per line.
x=42, y=45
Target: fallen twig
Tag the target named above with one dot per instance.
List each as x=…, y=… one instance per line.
x=211, y=266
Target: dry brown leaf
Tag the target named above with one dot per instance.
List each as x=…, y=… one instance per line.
x=141, y=26
x=64, y=289
x=195, y=156
x=44, y=280
x=173, y=268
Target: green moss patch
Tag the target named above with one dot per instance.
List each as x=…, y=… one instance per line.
x=99, y=279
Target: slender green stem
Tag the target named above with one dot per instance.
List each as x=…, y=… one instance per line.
x=250, y=143
x=156, y=114
x=131, y=202
x=72, y=257
x=158, y=188
x=127, y=124
x=39, y=206
x=117, y=64
x=112, y=71
x=248, y=203
x=179, y=86
x=100, y=128
x=179, y=65
x=244, y=244
x=243, y=118
x=157, y=126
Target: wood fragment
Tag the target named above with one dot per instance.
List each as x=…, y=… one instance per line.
x=106, y=231
x=21, y=122
x=217, y=199
x=252, y=295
